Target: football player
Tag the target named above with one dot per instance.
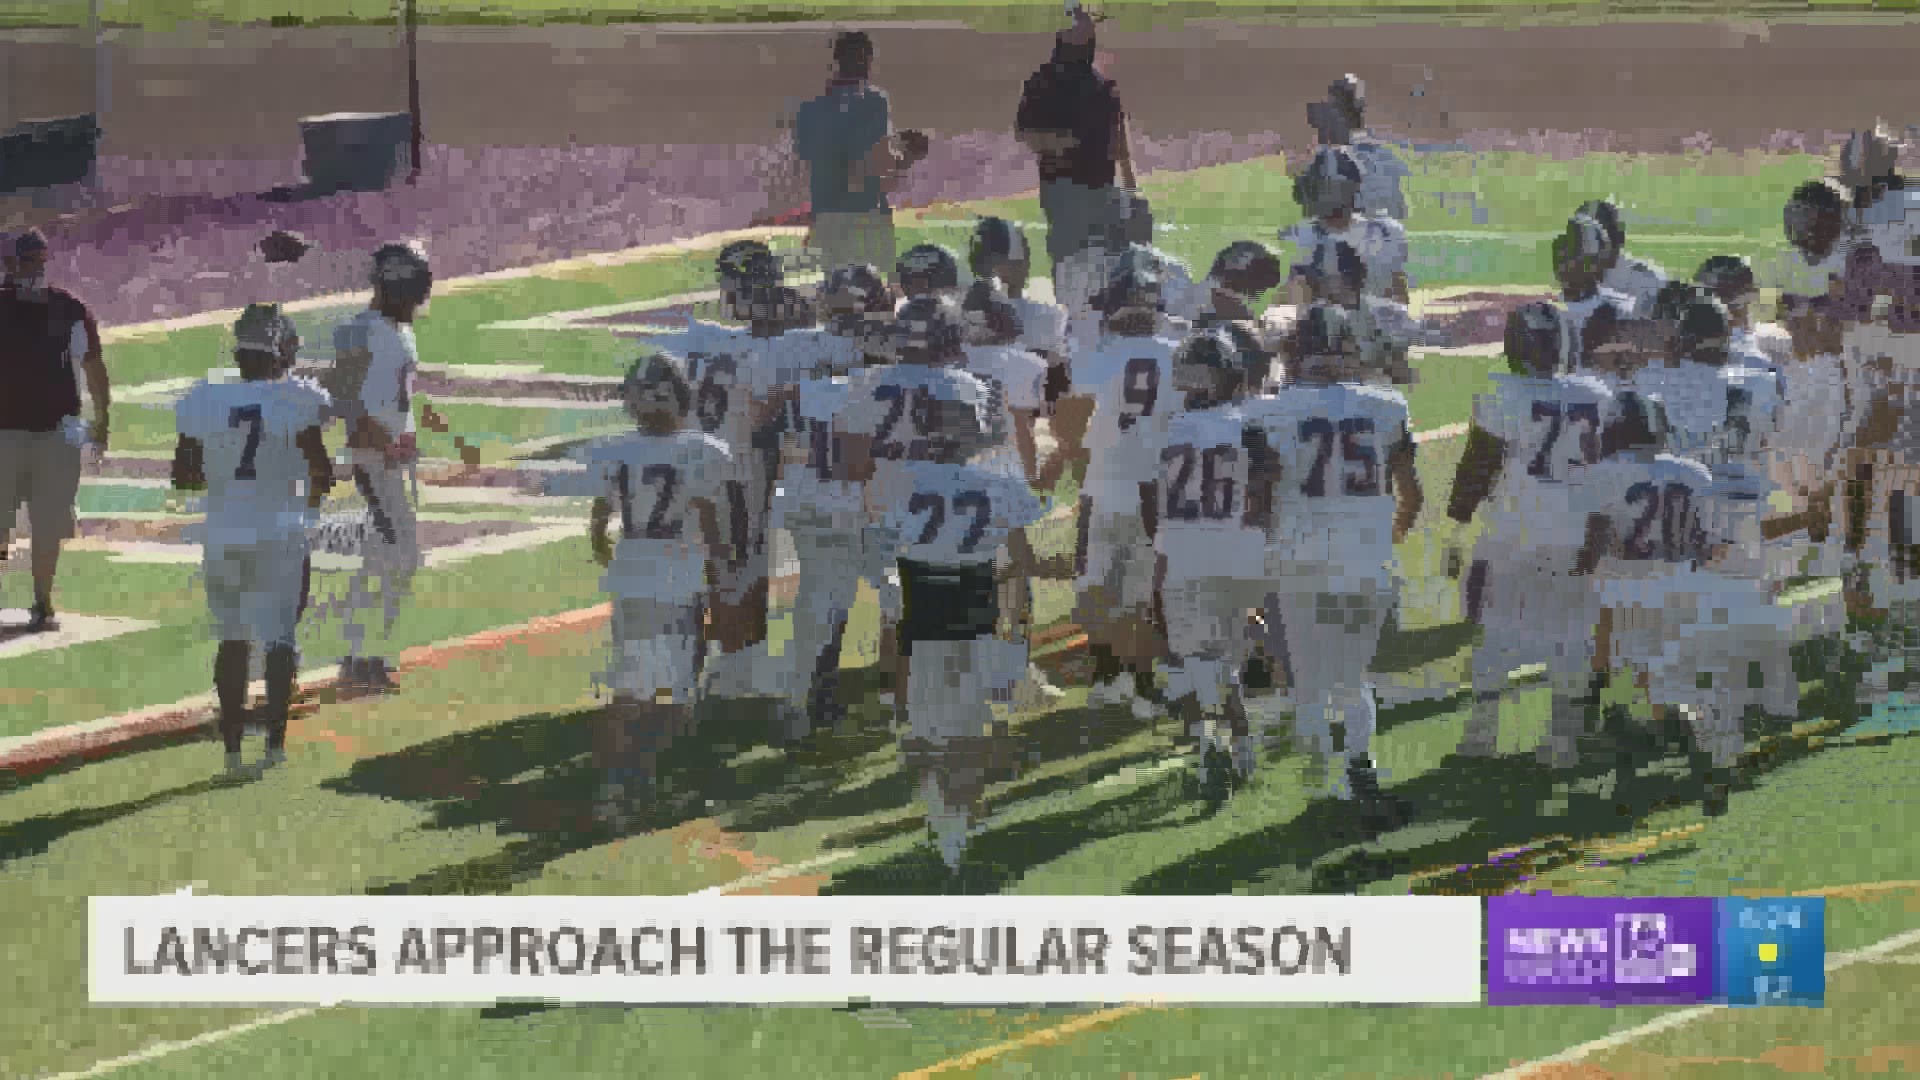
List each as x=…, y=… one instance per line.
x=736, y=379
x=927, y=270
x=254, y=444
x=665, y=485
x=1242, y=273
x=1328, y=193
x=885, y=422
x=1530, y=438
x=1211, y=547
x=372, y=381
x=1652, y=527
x=1723, y=416
x=953, y=520
x=1634, y=278
x=1018, y=379
x=814, y=502
x=1126, y=382
x=1594, y=312
x=1346, y=493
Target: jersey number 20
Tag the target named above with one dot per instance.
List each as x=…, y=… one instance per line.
x=1672, y=506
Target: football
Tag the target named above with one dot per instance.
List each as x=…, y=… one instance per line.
x=281, y=246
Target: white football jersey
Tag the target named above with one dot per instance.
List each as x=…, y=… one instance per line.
x=1662, y=512
x=393, y=361
x=1387, y=331
x=1130, y=380
x=808, y=488
x=954, y=515
x=806, y=352
x=1892, y=224
x=1204, y=529
x=1381, y=172
x=1334, y=502
x=1813, y=418
x=728, y=370
x=1766, y=345
x=1018, y=379
x=651, y=482
x=257, y=475
x=1636, y=279
x=1551, y=430
x=1381, y=243
x=1043, y=327
x=888, y=404
x=1720, y=416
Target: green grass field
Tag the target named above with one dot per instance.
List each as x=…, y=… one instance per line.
x=475, y=779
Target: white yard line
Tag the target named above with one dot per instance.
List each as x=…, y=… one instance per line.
x=1875, y=952
x=114, y=334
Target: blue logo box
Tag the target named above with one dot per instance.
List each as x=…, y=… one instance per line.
x=1772, y=951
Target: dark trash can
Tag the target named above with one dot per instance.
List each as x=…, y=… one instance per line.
x=48, y=153
x=356, y=151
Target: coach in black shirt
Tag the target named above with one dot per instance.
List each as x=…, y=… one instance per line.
x=1071, y=118
x=46, y=338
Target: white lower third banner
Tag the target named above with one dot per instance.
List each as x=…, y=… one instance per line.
x=246, y=950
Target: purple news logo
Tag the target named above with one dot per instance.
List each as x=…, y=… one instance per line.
x=1564, y=950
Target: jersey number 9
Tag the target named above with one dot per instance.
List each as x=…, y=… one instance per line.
x=1139, y=389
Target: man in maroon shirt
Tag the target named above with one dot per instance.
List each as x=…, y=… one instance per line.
x=46, y=337
x=1071, y=118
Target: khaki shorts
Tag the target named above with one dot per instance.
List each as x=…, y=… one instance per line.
x=41, y=470
x=838, y=240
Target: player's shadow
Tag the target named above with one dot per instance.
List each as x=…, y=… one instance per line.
x=534, y=779
x=999, y=857
x=1049, y=737
x=33, y=836
x=1467, y=808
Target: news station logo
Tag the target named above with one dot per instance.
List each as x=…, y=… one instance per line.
x=1577, y=950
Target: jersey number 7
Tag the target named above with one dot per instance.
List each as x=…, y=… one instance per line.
x=250, y=416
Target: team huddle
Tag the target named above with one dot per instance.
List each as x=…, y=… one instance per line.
x=1653, y=470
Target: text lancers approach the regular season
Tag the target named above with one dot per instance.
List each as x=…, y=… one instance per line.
x=741, y=950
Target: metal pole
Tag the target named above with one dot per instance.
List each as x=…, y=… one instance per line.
x=102, y=67
x=102, y=87
x=413, y=84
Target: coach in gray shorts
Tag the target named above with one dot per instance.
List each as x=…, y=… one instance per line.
x=46, y=337
x=845, y=136
x=1071, y=118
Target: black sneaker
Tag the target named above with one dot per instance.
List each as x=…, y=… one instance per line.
x=1714, y=802
x=378, y=678
x=1378, y=809
x=42, y=620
